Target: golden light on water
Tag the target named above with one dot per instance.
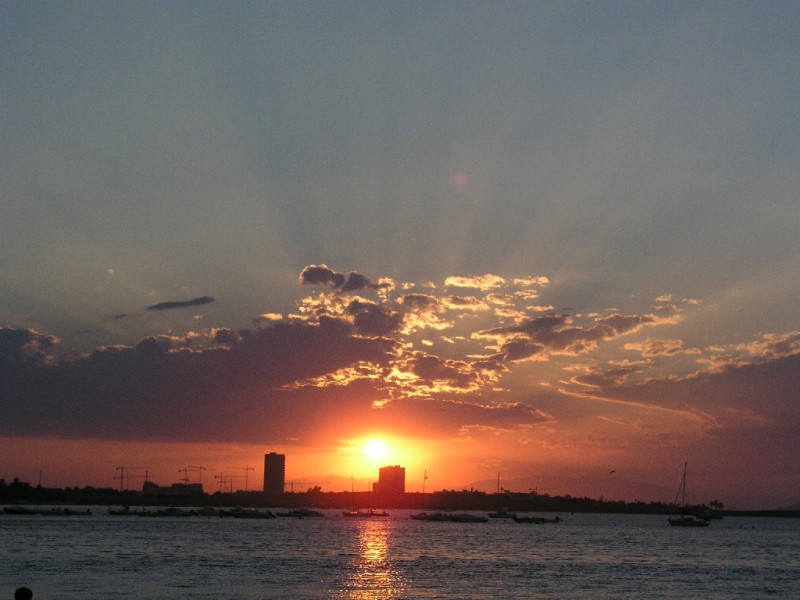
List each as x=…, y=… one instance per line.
x=373, y=575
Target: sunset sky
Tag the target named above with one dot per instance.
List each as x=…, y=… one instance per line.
x=554, y=243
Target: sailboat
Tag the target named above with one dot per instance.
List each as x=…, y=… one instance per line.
x=684, y=519
x=362, y=514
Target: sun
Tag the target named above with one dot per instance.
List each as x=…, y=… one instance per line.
x=376, y=449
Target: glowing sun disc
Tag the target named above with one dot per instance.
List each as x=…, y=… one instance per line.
x=376, y=449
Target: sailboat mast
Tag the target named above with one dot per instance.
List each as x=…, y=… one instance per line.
x=685, y=466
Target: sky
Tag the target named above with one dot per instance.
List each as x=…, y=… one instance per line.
x=544, y=246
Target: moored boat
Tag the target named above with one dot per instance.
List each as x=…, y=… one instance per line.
x=686, y=519
x=65, y=512
x=426, y=516
x=167, y=512
x=249, y=513
x=468, y=518
x=536, y=520
x=47, y=512
x=503, y=513
x=125, y=511
x=19, y=510
x=300, y=513
x=364, y=514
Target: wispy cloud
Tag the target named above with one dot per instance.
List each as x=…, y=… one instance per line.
x=173, y=304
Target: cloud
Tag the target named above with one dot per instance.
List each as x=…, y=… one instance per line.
x=371, y=318
x=324, y=275
x=650, y=348
x=531, y=280
x=762, y=394
x=268, y=317
x=501, y=299
x=601, y=379
x=449, y=418
x=181, y=303
x=420, y=373
x=422, y=303
x=481, y=282
x=162, y=390
x=537, y=337
x=23, y=347
x=464, y=303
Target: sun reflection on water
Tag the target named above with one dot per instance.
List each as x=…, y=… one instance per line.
x=373, y=575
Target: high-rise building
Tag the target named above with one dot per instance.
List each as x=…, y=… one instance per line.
x=274, y=473
x=391, y=480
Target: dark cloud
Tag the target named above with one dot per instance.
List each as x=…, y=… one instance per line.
x=606, y=378
x=422, y=303
x=181, y=303
x=321, y=275
x=225, y=336
x=370, y=318
x=19, y=347
x=353, y=281
x=162, y=390
x=557, y=334
x=767, y=387
x=464, y=302
x=237, y=389
x=356, y=281
x=448, y=418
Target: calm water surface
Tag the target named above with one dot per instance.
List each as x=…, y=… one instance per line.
x=585, y=556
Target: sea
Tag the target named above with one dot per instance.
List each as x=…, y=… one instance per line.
x=585, y=556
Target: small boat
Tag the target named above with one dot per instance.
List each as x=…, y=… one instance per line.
x=502, y=514
x=536, y=520
x=454, y=517
x=688, y=521
x=167, y=512
x=425, y=516
x=685, y=519
x=250, y=513
x=125, y=511
x=49, y=512
x=300, y=513
x=361, y=514
x=65, y=512
x=364, y=514
x=19, y=510
x=468, y=518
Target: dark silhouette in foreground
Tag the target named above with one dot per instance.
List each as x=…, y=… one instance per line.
x=23, y=593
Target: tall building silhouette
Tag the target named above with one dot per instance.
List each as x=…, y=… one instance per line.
x=391, y=480
x=274, y=473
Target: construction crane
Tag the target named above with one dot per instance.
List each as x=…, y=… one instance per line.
x=186, y=471
x=225, y=480
x=291, y=484
x=124, y=479
x=246, y=468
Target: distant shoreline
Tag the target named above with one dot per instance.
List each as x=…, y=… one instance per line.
x=21, y=493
